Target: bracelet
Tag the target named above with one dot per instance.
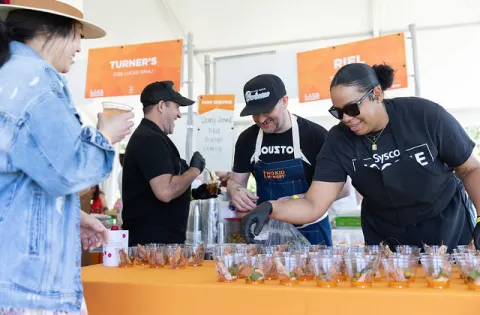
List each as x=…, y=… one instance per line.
x=477, y=220
x=296, y=197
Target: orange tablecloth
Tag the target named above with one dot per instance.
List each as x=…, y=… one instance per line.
x=141, y=290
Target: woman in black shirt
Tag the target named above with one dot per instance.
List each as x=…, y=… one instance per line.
x=402, y=155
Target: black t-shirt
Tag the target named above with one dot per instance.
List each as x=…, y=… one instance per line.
x=278, y=147
x=433, y=137
x=151, y=153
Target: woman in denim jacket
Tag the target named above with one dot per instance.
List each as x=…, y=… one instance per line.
x=46, y=159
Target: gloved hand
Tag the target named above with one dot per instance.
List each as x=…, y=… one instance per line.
x=476, y=235
x=258, y=216
x=197, y=161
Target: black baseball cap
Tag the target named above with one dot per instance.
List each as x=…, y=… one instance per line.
x=165, y=91
x=262, y=93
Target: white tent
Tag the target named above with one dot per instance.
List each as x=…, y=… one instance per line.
x=241, y=38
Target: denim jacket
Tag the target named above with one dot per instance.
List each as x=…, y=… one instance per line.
x=46, y=158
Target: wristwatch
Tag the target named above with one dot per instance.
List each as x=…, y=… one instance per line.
x=296, y=197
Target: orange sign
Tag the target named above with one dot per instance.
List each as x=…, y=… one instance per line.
x=316, y=68
x=208, y=103
x=126, y=70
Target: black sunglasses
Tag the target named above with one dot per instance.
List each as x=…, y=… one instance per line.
x=351, y=109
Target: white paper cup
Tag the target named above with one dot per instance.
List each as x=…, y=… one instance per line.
x=117, y=240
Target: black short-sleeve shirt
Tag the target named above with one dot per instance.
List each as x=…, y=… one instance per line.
x=279, y=147
x=151, y=153
x=434, y=138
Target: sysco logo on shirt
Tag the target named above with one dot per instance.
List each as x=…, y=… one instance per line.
x=381, y=161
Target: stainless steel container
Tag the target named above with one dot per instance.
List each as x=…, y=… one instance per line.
x=208, y=220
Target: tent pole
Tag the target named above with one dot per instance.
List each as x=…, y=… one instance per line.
x=416, y=74
x=189, y=144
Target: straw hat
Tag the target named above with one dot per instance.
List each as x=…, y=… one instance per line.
x=69, y=8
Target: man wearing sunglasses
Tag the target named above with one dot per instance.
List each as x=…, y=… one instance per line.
x=279, y=150
x=408, y=157
x=156, y=180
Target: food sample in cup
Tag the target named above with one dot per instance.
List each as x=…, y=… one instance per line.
x=438, y=270
x=269, y=267
x=435, y=249
x=326, y=270
x=225, y=249
x=408, y=250
x=253, y=249
x=156, y=255
x=470, y=266
x=224, y=265
x=399, y=270
x=385, y=250
x=196, y=255
x=288, y=269
x=176, y=256
x=307, y=271
x=111, y=109
x=140, y=255
x=361, y=270
x=125, y=260
x=254, y=269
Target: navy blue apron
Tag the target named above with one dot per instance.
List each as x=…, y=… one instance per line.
x=287, y=178
x=409, y=204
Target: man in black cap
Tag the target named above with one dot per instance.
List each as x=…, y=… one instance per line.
x=156, y=181
x=280, y=151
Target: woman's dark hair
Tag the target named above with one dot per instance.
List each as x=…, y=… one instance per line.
x=23, y=25
x=364, y=77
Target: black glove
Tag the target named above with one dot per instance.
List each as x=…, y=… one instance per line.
x=476, y=236
x=197, y=161
x=258, y=216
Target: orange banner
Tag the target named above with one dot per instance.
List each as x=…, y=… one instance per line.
x=208, y=103
x=126, y=70
x=316, y=68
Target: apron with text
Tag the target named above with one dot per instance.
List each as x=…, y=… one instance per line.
x=409, y=204
x=287, y=178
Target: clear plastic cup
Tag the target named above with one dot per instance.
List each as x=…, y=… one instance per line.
x=273, y=249
x=317, y=248
x=438, y=270
x=408, y=250
x=306, y=269
x=288, y=269
x=326, y=270
x=156, y=255
x=224, y=266
x=177, y=256
x=270, y=268
x=254, y=269
x=126, y=258
x=400, y=270
x=239, y=264
x=196, y=255
x=140, y=254
x=253, y=249
x=471, y=271
x=226, y=249
x=435, y=249
x=361, y=269
x=111, y=109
